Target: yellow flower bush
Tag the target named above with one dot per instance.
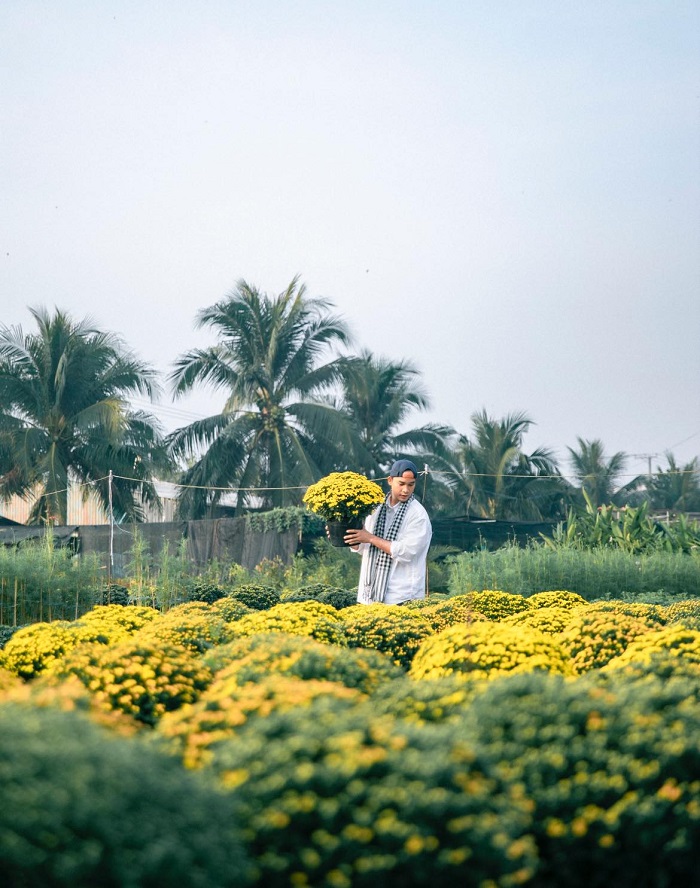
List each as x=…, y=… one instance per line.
x=450, y=612
x=35, y=648
x=229, y=609
x=487, y=650
x=296, y=656
x=559, y=598
x=195, y=626
x=143, y=679
x=226, y=705
x=319, y=621
x=343, y=496
x=683, y=644
x=652, y=615
x=395, y=631
x=117, y=622
x=593, y=638
x=492, y=603
x=549, y=620
x=687, y=611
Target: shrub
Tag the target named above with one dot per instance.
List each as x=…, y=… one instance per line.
x=227, y=705
x=194, y=626
x=256, y=656
x=682, y=643
x=339, y=598
x=559, y=598
x=205, y=591
x=35, y=648
x=229, y=609
x=6, y=633
x=612, y=773
x=142, y=678
x=493, y=604
x=550, y=620
x=450, y=612
x=82, y=808
x=486, y=650
x=115, y=593
x=117, y=621
x=652, y=615
x=683, y=612
x=343, y=798
x=593, y=638
x=429, y=700
x=395, y=631
x=319, y=621
x=8, y=680
x=256, y=596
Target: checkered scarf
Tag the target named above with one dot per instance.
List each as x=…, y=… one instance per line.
x=379, y=564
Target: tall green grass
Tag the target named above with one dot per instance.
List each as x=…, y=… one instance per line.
x=594, y=574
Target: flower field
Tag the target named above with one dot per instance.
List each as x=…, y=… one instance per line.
x=479, y=739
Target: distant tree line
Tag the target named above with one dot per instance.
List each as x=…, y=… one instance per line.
x=296, y=403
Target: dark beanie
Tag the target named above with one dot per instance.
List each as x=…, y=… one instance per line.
x=401, y=466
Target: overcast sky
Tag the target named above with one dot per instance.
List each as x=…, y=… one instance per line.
x=505, y=193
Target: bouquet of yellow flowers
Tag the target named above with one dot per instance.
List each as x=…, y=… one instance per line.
x=344, y=496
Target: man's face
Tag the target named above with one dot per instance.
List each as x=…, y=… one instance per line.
x=401, y=487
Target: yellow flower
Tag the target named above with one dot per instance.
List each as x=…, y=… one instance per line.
x=343, y=496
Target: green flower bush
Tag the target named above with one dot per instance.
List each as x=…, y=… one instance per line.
x=227, y=705
x=142, y=678
x=593, y=637
x=82, y=808
x=35, y=648
x=612, y=773
x=195, y=626
x=339, y=598
x=429, y=700
x=256, y=596
x=253, y=658
x=395, y=631
x=336, y=796
x=343, y=496
x=550, y=620
x=486, y=650
x=319, y=621
x=205, y=591
x=559, y=598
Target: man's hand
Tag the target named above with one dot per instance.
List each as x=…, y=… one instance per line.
x=355, y=537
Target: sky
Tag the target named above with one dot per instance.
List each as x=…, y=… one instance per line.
x=505, y=193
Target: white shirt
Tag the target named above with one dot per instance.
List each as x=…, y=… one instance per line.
x=408, y=554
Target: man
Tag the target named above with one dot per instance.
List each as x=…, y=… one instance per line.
x=394, y=543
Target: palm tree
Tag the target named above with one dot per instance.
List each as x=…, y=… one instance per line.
x=377, y=395
x=494, y=478
x=274, y=433
x=64, y=417
x=676, y=488
x=597, y=474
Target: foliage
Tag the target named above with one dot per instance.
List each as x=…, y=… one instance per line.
x=492, y=603
x=252, y=658
x=559, y=598
x=676, y=487
x=115, y=593
x=683, y=643
x=227, y=705
x=283, y=519
x=82, y=808
x=550, y=620
x=441, y=614
x=144, y=679
x=274, y=432
x=115, y=621
x=391, y=629
x=596, y=473
x=344, y=496
x=600, y=573
x=41, y=581
x=205, y=591
x=651, y=615
x=428, y=700
x=611, y=772
x=333, y=795
x=319, y=621
x=339, y=598
x=229, y=609
x=64, y=392
x=486, y=650
x=682, y=610
x=256, y=596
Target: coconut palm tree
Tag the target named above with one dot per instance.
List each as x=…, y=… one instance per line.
x=676, y=487
x=597, y=474
x=64, y=417
x=378, y=395
x=274, y=433
x=494, y=478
